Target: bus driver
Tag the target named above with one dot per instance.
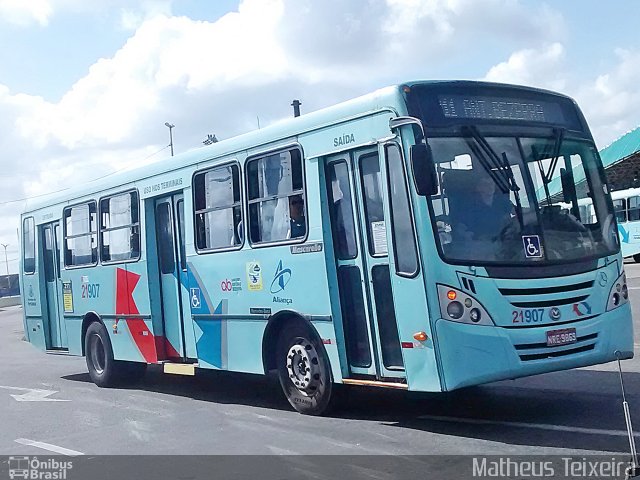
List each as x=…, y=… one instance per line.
x=486, y=212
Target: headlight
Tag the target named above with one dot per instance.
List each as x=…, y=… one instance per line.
x=459, y=307
x=619, y=294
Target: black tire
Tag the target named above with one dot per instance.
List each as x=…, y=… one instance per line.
x=103, y=369
x=636, y=258
x=303, y=369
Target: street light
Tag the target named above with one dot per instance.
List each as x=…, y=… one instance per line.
x=167, y=124
x=5, y=245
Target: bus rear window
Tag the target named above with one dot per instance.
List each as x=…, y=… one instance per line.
x=29, y=245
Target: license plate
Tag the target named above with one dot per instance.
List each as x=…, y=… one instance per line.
x=564, y=336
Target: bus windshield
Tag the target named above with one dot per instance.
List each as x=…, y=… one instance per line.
x=516, y=199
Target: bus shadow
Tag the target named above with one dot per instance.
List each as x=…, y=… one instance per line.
x=209, y=386
x=575, y=410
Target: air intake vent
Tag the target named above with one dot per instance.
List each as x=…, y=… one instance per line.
x=561, y=353
x=545, y=290
x=539, y=351
x=468, y=284
x=550, y=303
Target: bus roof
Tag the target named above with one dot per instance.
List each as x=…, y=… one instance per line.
x=385, y=98
x=629, y=192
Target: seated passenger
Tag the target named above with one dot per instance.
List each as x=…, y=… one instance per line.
x=298, y=227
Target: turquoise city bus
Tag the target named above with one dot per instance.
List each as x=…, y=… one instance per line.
x=409, y=239
x=626, y=205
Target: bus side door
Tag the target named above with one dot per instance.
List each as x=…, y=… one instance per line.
x=169, y=222
x=356, y=206
x=51, y=258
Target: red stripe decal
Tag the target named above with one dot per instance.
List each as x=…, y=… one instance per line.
x=125, y=304
x=407, y=344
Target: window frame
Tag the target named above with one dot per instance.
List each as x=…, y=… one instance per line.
x=303, y=193
x=363, y=209
x=65, y=236
x=354, y=213
x=33, y=243
x=635, y=208
x=204, y=251
x=121, y=227
x=625, y=209
x=407, y=192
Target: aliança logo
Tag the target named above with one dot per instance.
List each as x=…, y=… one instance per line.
x=280, y=279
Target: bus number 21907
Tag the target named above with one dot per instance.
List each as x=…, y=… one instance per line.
x=90, y=290
x=527, y=316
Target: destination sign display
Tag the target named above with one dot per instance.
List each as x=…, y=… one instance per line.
x=499, y=108
x=450, y=104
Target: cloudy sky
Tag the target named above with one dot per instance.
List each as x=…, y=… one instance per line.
x=87, y=85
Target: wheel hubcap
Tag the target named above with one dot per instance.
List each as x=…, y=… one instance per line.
x=98, y=357
x=303, y=367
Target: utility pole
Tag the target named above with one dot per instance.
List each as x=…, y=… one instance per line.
x=167, y=124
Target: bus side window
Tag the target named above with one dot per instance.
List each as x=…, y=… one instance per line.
x=81, y=236
x=218, y=212
x=621, y=210
x=120, y=228
x=404, y=243
x=341, y=210
x=276, y=197
x=29, y=245
x=634, y=209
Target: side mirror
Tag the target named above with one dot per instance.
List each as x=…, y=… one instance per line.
x=424, y=170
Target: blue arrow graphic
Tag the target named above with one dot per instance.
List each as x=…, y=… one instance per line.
x=623, y=233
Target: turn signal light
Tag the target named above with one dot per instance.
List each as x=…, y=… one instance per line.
x=421, y=336
x=451, y=295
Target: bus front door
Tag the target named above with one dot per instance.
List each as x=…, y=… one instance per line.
x=356, y=207
x=51, y=257
x=169, y=220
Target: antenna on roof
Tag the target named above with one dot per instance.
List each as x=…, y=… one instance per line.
x=296, y=108
x=210, y=139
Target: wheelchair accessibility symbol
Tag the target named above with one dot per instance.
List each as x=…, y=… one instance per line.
x=195, y=298
x=532, y=246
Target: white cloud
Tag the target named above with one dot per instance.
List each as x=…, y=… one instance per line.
x=132, y=17
x=611, y=101
x=26, y=12
x=541, y=68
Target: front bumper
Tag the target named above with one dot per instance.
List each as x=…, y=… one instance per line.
x=473, y=354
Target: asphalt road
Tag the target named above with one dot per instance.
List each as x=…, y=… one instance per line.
x=572, y=412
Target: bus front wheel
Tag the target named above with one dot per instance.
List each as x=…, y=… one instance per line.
x=99, y=354
x=303, y=369
x=636, y=258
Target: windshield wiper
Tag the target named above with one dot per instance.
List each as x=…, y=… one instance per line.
x=558, y=138
x=503, y=173
x=490, y=162
x=558, y=135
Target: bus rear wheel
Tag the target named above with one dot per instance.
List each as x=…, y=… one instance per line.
x=103, y=369
x=636, y=258
x=304, y=372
